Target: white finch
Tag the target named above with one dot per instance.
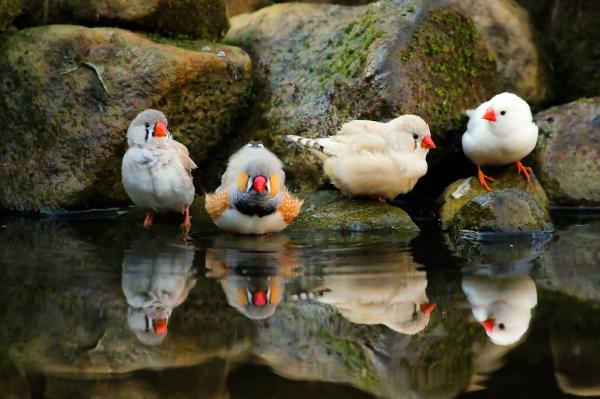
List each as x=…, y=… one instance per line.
x=157, y=170
x=502, y=305
x=374, y=159
x=252, y=197
x=499, y=132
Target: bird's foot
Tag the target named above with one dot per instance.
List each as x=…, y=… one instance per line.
x=483, y=178
x=525, y=170
x=148, y=220
x=379, y=198
x=187, y=221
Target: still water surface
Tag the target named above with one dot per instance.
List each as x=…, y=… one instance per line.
x=97, y=307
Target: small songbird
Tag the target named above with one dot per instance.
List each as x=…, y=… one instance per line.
x=502, y=305
x=157, y=170
x=252, y=197
x=499, y=132
x=374, y=159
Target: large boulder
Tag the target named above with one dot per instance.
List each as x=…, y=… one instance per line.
x=567, y=156
x=68, y=93
x=514, y=206
x=199, y=19
x=320, y=65
x=9, y=10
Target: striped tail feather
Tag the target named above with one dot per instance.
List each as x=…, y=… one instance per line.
x=311, y=144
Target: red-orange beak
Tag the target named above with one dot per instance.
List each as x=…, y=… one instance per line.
x=490, y=115
x=427, y=307
x=259, y=298
x=488, y=325
x=160, y=129
x=259, y=183
x=160, y=326
x=428, y=143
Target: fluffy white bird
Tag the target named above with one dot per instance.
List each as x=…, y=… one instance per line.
x=157, y=170
x=157, y=277
x=502, y=305
x=500, y=131
x=252, y=197
x=374, y=159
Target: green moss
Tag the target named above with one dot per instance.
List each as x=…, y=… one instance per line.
x=9, y=10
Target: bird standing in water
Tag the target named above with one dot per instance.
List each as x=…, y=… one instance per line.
x=156, y=169
x=252, y=197
x=500, y=131
x=374, y=159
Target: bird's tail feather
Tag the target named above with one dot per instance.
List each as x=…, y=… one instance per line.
x=311, y=144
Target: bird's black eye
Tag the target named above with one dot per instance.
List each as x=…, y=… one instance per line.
x=502, y=112
x=147, y=124
x=415, y=136
x=501, y=326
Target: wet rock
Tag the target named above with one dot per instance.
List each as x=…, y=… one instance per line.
x=572, y=263
x=514, y=206
x=320, y=65
x=568, y=152
x=329, y=210
x=68, y=94
x=505, y=27
x=236, y=7
x=199, y=19
x=9, y=10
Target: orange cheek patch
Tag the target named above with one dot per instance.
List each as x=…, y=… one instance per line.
x=275, y=294
x=289, y=207
x=241, y=297
x=242, y=181
x=216, y=203
x=274, y=185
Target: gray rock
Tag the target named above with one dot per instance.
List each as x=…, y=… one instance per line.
x=68, y=94
x=320, y=65
x=567, y=156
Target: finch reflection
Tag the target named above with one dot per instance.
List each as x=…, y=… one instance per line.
x=253, y=281
x=157, y=277
x=386, y=290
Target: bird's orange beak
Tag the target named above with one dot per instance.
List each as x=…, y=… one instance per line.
x=488, y=325
x=160, y=326
x=490, y=115
x=259, y=183
x=427, y=307
x=160, y=129
x=428, y=143
x=259, y=298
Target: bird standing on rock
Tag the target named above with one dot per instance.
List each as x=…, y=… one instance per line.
x=252, y=197
x=374, y=159
x=157, y=170
x=500, y=131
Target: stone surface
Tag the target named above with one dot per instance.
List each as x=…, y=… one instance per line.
x=505, y=27
x=9, y=10
x=199, y=19
x=567, y=155
x=68, y=94
x=320, y=65
x=514, y=206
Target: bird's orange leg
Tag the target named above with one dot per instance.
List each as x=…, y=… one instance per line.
x=148, y=220
x=524, y=169
x=187, y=221
x=483, y=178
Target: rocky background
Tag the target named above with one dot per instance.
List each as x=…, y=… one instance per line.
x=73, y=73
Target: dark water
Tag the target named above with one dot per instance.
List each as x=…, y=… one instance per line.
x=100, y=308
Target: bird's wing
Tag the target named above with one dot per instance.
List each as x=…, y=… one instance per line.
x=289, y=207
x=360, y=127
x=183, y=156
x=216, y=203
x=344, y=144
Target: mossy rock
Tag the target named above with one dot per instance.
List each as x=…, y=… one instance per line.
x=9, y=10
x=320, y=65
x=567, y=156
x=70, y=92
x=515, y=205
x=205, y=19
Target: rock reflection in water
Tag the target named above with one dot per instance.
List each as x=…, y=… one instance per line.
x=157, y=276
x=380, y=289
x=252, y=271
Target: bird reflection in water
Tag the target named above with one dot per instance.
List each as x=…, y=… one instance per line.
x=385, y=288
x=253, y=280
x=157, y=277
